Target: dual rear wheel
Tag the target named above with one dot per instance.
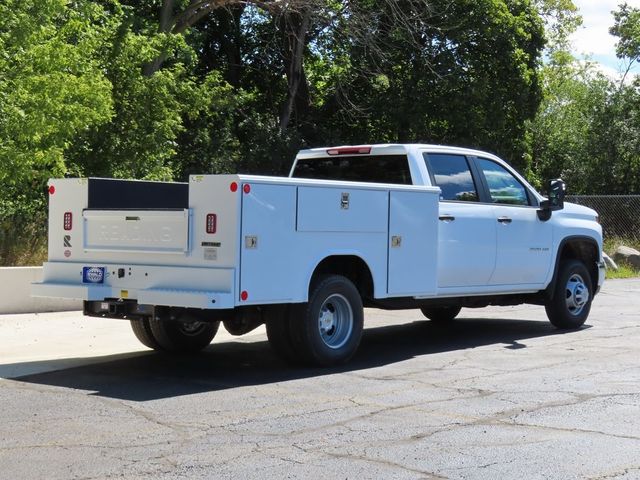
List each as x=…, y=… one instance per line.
x=185, y=334
x=326, y=330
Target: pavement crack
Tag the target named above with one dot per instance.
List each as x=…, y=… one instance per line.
x=386, y=463
x=616, y=474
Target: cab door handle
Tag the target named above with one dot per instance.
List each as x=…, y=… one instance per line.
x=447, y=218
x=504, y=220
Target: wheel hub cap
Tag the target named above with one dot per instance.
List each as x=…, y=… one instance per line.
x=191, y=328
x=577, y=294
x=335, y=321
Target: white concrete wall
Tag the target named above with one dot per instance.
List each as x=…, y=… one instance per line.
x=15, y=293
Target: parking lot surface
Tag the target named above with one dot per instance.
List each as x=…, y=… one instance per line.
x=499, y=393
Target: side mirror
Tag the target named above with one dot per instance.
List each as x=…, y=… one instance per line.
x=556, y=191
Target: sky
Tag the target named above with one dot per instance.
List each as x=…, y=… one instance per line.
x=593, y=37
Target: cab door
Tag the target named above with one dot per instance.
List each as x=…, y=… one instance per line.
x=523, y=241
x=466, y=228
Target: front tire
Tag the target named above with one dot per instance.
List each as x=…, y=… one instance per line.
x=327, y=330
x=571, y=302
x=279, y=333
x=185, y=334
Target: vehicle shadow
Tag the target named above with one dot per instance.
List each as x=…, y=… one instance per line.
x=149, y=376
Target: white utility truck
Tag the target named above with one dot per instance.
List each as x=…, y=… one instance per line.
x=386, y=226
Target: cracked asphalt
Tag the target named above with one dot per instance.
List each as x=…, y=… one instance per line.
x=499, y=393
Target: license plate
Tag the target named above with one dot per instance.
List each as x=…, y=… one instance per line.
x=92, y=274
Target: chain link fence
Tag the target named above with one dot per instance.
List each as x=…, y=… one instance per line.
x=619, y=214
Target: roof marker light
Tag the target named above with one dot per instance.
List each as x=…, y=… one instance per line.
x=52, y=190
x=246, y=188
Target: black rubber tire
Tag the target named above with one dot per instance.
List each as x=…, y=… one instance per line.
x=558, y=311
x=330, y=291
x=142, y=331
x=175, y=335
x=277, y=322
x=441, y=314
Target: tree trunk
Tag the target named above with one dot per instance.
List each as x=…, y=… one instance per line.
x=179, y=23
x=296, y=29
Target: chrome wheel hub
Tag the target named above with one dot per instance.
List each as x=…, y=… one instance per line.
x=335, y=321
x=192, y=328
x=576, y=294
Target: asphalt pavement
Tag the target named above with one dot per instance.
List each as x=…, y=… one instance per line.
x=499, y=393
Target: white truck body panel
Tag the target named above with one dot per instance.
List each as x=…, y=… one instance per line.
x=273, y=231
x=268, y=241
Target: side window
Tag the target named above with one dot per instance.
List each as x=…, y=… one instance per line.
x=503, y=186
x=452, y=174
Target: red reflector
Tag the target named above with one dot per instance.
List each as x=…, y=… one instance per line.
x=233, y=187
x=68, y=220
x=212, y=223
x=52, y=190
x=246, y=188
x=349, y=151
x=244, y=295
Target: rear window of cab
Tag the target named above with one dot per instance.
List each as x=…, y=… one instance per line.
x=356, y=168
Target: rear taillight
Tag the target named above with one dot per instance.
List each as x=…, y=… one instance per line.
x=68, y=220
x=212, y=223
x=349, y=151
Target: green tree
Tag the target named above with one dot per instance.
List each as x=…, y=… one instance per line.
x=51, y=89
x=627, y=28
x=463, y=72
x=562, y=133
x=588, y=126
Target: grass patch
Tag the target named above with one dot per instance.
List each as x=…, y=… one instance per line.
x=624, y=271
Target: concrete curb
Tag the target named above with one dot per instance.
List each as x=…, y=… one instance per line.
x=15, y=293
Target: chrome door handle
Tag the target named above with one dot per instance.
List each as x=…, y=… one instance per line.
x=447, y=218
x=504, y=220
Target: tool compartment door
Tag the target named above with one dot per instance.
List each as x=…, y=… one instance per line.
x=268, y=245
x=413, y=243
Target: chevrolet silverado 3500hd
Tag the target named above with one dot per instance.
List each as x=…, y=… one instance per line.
x=387, y=226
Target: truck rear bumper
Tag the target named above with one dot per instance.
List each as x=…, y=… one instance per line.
x=208, y=288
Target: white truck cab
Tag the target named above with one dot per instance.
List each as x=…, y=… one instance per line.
x=388, y=226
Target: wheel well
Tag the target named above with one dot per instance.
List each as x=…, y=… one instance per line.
x=351, y=267
x=584, y=250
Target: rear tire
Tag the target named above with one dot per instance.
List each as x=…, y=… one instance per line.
x=142, y=331
x=279, y=333
x=327, y=330
x=441, y=314
x=183, y=335
x=571, y=302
